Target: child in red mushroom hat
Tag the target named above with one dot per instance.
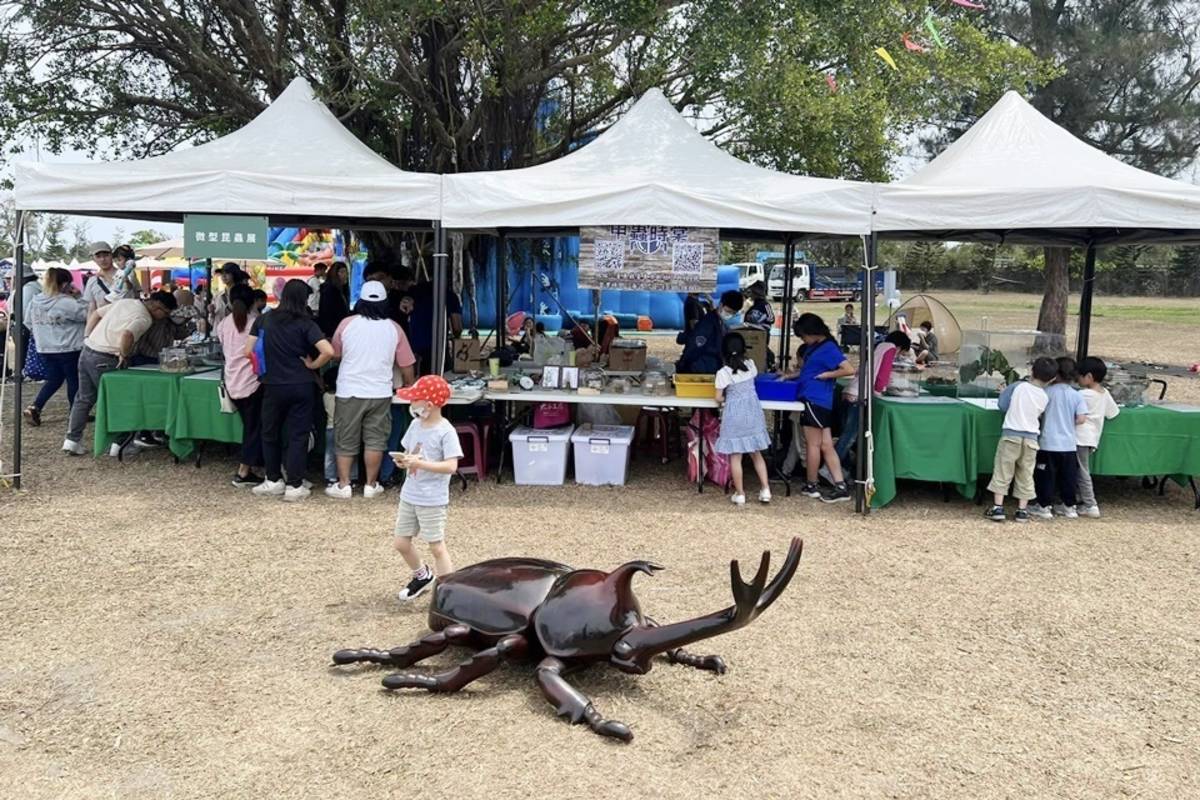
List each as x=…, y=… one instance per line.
x=431, y=454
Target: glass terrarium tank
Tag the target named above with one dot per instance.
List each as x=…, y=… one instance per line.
x=1127, y=388
x=940, y=378
x=990, y=360
x=905, y=381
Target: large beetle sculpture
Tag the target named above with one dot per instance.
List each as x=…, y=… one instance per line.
x=518, y=609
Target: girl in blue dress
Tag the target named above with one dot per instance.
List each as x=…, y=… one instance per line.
x=743, y=425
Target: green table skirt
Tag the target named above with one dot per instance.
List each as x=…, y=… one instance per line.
x=955, y=443
x=198, y=416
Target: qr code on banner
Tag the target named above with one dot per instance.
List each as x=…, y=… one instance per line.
x=610, y=255
x=687, y=258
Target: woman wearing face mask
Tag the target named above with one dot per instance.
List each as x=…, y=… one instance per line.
x=702, y=344
x=368, y=343
x=289, y=338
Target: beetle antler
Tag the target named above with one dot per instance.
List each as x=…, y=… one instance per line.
x=634, y=651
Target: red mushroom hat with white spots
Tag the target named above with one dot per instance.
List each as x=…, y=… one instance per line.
x=431, y=389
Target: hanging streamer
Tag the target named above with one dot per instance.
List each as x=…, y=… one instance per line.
x=910, y=45
x=887, y=57
x=968, y=4
x=933, y=31
x=831, y=82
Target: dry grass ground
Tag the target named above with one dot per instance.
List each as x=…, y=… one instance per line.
x=166, y=635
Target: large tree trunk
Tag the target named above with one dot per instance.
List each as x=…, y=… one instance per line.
x=1053, y=316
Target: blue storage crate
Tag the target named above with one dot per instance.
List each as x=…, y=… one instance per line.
x=772, y=387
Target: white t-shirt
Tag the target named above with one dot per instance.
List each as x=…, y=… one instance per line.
x=726, y=377
x=368, y=349
x=1025, y=409
x=1101, y=406
x=115, y=319
x=436, y=443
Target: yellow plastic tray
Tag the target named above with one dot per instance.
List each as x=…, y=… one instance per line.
x=703, y=386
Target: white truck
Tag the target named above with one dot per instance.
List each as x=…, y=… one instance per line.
x=750, y=273
x=801, y=280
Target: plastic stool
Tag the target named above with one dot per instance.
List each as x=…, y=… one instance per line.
x=476, y=449
x=655, y=428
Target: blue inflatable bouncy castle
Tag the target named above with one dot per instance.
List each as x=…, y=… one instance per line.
x=558, y=263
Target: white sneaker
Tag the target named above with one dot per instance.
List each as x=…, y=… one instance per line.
x=1067, y=512
x=1039, y=512
x=373, y=490
x=293, y=494
x=73, y=448
x=1091, y=512
x=269, y=488
x=114, y=450
x=338, y=491
x=764, y=496
x=738, y=499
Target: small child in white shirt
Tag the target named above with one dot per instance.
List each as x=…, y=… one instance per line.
x=1101, y=406
x=1016, y=455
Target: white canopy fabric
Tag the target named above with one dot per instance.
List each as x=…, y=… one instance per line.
x=653, y=168
x=1017, y=176
x=293, y=162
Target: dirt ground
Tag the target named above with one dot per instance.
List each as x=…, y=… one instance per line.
x=166, y=635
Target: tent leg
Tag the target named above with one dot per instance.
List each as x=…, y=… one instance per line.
x=437, y=364
x=1085, y=304
x=866, y=376
x=785, y=331
x=502, y=291
x=17, y=331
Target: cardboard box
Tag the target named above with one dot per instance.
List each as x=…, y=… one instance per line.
x=629, y=358
x=466, y=356
x=756, y=345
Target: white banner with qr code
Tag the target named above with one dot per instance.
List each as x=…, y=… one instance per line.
x=653, y=258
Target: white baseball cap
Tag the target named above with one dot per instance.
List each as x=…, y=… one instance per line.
x=373, y=292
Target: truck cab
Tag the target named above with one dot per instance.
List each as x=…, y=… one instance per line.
x=801, y=280
x=750, y=273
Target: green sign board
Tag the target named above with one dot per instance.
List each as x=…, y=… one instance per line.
x=224, y=236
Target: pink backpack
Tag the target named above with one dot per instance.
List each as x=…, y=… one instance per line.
x=716, y=465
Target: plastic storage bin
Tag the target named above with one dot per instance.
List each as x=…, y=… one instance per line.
x=772, y=387
x=602, y=454
x=540, y=456
x=704, y=386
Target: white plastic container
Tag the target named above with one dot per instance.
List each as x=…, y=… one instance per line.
x=540, y=456
x=602, y=454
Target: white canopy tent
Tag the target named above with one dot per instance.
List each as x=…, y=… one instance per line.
x=1016, y=176
x=294, y=163
x=652, y=167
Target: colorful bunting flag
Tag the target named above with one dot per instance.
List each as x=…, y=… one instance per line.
x=968, y=4
x=886, y=56
x=910, y=45
x=831, y=82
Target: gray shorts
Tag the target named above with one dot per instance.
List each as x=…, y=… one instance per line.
x=359, y=422
x=428, y=521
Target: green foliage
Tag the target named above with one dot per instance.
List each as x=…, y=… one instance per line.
x=990, y=362
x=922, y=264
x=144, y=237
x=446, y=85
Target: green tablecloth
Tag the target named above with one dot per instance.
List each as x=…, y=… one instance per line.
x=197, y=415
x=954, y=442
x=143, y=398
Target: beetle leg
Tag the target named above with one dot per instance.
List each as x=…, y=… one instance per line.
x=510, y=648
x=408, y=654
x=680, y=656
x=569, y=702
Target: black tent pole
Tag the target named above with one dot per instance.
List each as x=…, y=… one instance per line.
x=785, y=331
x=502, y=291
x=16, y=330
x=1085, y=303
x=440, y=276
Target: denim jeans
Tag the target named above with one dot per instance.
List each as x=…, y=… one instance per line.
x=849, y=437
x=60, y=368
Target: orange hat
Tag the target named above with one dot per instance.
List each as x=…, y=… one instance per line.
x=431, y=389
